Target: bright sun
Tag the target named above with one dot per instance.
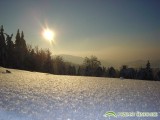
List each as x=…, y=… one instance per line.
x=48, y=34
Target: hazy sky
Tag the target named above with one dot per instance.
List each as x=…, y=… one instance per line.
x=109, y=29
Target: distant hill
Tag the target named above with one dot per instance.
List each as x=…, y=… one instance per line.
x=142, y=63
x=107, y=63
x=79, y=60
x=136, y=63
x=71, y=58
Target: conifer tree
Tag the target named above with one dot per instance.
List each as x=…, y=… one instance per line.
x=2, y=48
x=48, y=64
x=21, y=50
x=18, y=40
x=10, y=51
x=23, y=42
x=149, y=73
x=111, y=72
x=79, y=71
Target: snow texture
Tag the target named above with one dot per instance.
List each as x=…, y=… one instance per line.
x=40, y=96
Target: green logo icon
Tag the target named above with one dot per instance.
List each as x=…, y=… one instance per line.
x=110, y=114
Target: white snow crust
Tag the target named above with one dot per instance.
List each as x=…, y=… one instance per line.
x=28, y=95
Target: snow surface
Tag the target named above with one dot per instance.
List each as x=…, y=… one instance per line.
x=40, y=96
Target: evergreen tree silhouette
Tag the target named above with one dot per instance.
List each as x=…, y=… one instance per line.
x=23, y=43
x=71, y=70
x=111, y=72
x=48, y=63
x=59, y=66
x=158, y=76
x=149, y=73
x=23, y=49
x=141, y=74
x=20, y=50
x=104, y=72
x=2, y=48
x=79, y=71
x=18, y=40
x=30, y=61
x=123, y=71
x=10, y=51
x=148, y=65
x=18, y=54
x=98, y=72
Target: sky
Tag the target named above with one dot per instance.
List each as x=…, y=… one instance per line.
x=122, y=30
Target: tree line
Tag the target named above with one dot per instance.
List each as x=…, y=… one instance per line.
x=19, y=55
x=92, y=67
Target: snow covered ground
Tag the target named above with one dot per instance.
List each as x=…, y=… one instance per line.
x=40, y=96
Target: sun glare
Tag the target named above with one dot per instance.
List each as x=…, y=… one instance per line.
x=48, y=34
